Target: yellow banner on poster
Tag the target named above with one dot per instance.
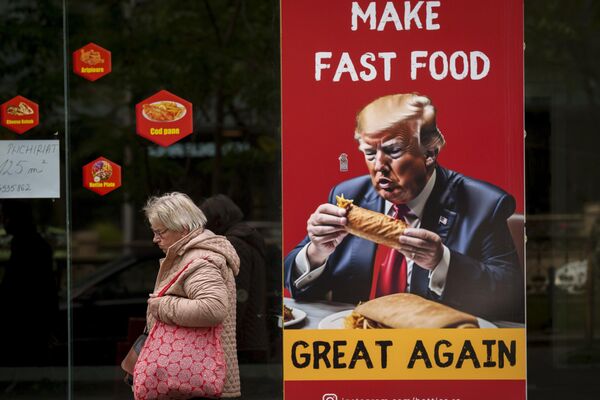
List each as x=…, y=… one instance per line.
x=405, y=354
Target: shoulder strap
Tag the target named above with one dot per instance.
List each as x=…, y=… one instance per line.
x=168, y=285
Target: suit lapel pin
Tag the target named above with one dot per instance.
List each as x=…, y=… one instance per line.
x=443, y=220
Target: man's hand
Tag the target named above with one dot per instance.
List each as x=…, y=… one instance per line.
x=422, y=246
x=326, y=230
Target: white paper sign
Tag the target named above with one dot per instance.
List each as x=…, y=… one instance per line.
x=29, y=169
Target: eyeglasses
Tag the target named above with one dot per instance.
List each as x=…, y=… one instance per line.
x=159, y=232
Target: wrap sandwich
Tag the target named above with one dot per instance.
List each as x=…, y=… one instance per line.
x=371, y=225
x=405, y=310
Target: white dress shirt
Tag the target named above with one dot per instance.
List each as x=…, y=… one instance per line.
x=437, y=276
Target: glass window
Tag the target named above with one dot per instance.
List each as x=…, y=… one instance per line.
x=220, y=60
x=563, y=209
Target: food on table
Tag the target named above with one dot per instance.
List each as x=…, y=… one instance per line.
x=101, y=171
x=91, y=57
x=405, y=310
x=20, y=110
x=371, y=225
x=163, y=111
x=287, y=314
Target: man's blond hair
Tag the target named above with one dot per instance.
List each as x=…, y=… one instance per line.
x=397, y=112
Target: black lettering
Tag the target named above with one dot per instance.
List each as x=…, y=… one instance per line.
x=361, y=353
x=505, y=352
x=489, y=363
x=305, y=357
x=321, y=350
x=468, y=353
x=337, y=354
x=448, y=356
x=419, y=353
x=384, y=344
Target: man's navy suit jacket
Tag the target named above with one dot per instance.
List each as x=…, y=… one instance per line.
x=484, y=277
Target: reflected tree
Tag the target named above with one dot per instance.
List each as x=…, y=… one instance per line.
x=221, y=56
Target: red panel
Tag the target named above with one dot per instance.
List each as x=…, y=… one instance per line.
x=405, y=390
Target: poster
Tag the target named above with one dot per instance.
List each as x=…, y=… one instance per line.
x=414, y=111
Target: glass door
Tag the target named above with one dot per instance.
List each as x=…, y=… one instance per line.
x=140, y=98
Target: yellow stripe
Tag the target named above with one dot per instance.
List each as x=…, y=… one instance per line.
x=405, y=354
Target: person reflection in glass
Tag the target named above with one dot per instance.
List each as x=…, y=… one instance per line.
x=225, y=218
x=28, y=292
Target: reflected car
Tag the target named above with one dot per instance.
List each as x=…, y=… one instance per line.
x=109, y=304
x=572, y=277
x=104, y=303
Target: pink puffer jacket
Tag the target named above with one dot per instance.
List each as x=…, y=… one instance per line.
x=205, y=294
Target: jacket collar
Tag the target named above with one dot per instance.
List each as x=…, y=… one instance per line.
x=178, y=248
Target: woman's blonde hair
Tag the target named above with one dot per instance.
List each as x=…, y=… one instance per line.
x=176, y=211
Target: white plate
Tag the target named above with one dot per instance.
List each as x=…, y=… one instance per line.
x=299, y=316
x=484, y=323
x=336, y=321
x=157, y=102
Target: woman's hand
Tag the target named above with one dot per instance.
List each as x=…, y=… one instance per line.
x=153, y=303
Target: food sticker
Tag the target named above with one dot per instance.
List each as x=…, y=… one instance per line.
x=20, y=114
x=102, y=176
x=164, y=118
x=92, y=62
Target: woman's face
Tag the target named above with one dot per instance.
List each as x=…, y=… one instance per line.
x=164, y=237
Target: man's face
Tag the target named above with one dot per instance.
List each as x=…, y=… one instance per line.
x=396, y=164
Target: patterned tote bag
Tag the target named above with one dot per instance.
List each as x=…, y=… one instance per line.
x=180, y=363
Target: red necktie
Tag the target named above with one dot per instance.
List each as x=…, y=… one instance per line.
x=392, y=273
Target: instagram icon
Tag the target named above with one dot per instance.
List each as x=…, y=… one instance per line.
x=329, y=396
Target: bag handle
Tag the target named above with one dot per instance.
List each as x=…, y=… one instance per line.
x=168, y=285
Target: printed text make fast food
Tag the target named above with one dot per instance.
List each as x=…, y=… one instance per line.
x=399, y=16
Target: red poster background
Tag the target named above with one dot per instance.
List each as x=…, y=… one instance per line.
x=405, y=390
x=482, y=120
